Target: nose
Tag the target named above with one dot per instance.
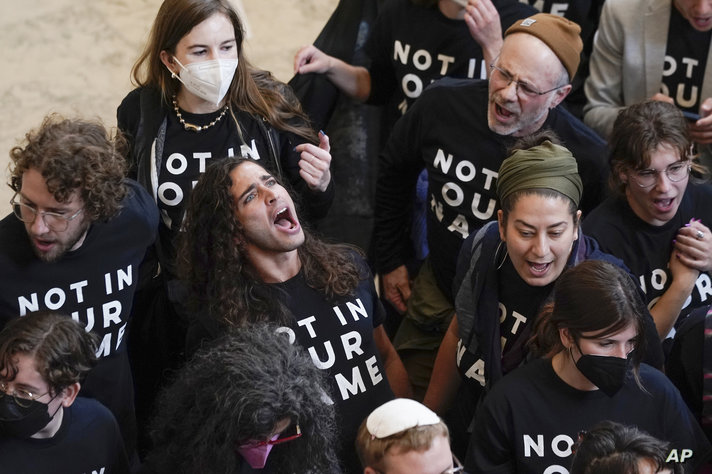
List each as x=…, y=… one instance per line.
x=38, y=226
x=269, y=194
x=540, y=247
x=621, y=351
x=509, y=91
x=702, y=7
x=662, y=182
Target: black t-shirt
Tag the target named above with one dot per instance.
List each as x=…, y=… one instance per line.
x=411, y=45
x=93, y=284
x=446, y=132
x=87, y=442
x=645, y=249
x=685, y=62
x=531, y=418
x=338, y=335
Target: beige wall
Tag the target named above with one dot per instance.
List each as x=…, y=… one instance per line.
x=74, y=56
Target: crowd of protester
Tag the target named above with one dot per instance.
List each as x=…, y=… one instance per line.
x=536, y=297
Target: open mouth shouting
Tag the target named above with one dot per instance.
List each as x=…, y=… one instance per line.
x=285, y=220
x=664, y=205
x=538, y=269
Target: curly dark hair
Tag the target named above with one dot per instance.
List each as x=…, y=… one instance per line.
x=215, y=266
x=252, y=90
x=239, y=390
x=62, y=350
x=75, y=155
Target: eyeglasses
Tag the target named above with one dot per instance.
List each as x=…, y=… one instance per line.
x=55, y=221
x=279, y=440
x=674, y=172
x=523, y=88
x=457, y=466
x=22, y=397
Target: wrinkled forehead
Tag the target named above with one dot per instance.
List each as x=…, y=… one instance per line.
x=527, y=54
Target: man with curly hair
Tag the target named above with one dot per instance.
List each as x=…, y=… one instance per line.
x=246, y=258
x=44, y=425
x=74, y=244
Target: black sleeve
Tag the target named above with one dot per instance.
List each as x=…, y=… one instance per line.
x=398, y=170
x=127, y=120
x=378, y=49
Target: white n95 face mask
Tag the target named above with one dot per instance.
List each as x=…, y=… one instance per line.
x=209, y=80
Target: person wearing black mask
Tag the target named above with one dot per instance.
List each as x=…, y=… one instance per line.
x=44, y=426
x=590, y=339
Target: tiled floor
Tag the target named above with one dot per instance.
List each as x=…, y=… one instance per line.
x=74, y=56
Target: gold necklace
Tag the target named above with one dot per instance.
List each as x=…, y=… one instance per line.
x=190, y=126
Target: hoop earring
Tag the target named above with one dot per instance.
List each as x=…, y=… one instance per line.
x=496, y=254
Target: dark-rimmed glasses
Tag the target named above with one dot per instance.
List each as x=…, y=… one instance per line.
x=522, y=88
x=648, y=177
x=53, y=220
x=23, y=398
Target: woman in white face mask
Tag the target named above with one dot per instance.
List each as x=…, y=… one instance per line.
x=200, y=100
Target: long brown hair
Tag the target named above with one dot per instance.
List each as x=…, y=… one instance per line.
x=252, y=90
x=594, y=296
x=212, y=258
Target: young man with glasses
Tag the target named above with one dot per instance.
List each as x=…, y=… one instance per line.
x=44, y=425
x=460, y=130
x=78, y=232
x=403, y=436
x=658, y=219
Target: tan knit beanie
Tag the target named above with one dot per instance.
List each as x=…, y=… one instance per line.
x=562, y=36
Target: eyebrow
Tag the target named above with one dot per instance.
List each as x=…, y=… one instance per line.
x=519, y=221
x=199, y=45
x=250, y=188
x=29, y=202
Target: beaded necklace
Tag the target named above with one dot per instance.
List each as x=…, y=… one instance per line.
x=196, y=128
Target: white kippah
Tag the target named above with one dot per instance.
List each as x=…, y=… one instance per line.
x=399, y=415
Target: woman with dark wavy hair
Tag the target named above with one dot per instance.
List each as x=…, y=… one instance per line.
x=253, y=402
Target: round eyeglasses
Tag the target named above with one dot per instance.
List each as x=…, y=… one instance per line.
x=53, y=220
x=23, y=398
x=523, y=88
x=674, y=172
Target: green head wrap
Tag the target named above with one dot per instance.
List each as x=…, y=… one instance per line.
x=545, y=166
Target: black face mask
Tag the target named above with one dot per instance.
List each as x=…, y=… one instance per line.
x=605, y=372
x=22, y=422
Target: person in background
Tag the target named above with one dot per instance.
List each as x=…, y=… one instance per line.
x=612, y=448
x=591, y=342
x=658, y=218
x=658, y=50
x=45, y=426
x=404, y=436
x=252, y=402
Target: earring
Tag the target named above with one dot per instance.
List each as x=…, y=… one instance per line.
x=496, y=254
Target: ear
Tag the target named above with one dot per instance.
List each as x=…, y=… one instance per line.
x=69, y=394
x=560, y=95
x=566, y=339
x=368, y=470
x=622, y=176
x=500, y=222
x=577, y=224
x=167, y=60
